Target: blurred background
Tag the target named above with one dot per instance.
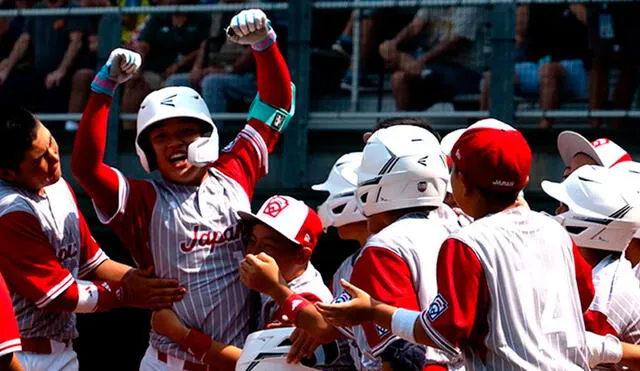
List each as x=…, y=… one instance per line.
x=542, y=66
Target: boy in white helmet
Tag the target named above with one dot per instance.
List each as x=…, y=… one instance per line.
x=282, y=234
x=602, y=218
x=186, y=225
x=497, y=278
x=576, y=151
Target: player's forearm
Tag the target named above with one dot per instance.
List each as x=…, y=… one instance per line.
x=311, y=321
x=75, y=44
x=9, y=362
x=223, y=356
x=110, y=270
x=88, y=297
x=274, y=81
x=204, y=348
x=631, y=356
x=87, y=160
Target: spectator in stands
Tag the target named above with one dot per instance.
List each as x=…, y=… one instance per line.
x=553, y=38
x=81, y=81
x=56, y=42
x=448, y=60
x=224, y=71
x=168, y=44
x=132, y=24
x=614, y=38
x=17, y=88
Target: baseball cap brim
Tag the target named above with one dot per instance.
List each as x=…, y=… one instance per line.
x=250, y=217
x=571, y=143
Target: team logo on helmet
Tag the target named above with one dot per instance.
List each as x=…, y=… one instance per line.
x=275, y=206
x=168, y=101
x=422, y=186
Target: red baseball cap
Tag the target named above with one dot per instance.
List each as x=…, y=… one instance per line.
x=289, y=217
x=493, y=157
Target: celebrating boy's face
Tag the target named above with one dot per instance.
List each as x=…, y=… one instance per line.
x=265, y=239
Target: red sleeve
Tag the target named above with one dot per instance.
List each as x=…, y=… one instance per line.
x=9, y=334
x=91, y=255
x=584, y=279
x=132, y=221
x=28, y=261
x=598, y=323
x=87, y=161
x=386, y=277
x=458, y=316
x=246, y=158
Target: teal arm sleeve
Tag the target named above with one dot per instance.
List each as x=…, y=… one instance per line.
x=274, y=117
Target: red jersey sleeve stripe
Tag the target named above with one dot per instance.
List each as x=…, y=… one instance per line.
x=259, y=145
x=437, y=338
x=98, y=258
x=10, y=346
x=55, y=291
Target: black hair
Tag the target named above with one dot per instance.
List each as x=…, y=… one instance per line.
x=422, y=123
x=501, y=199
x=17, y=133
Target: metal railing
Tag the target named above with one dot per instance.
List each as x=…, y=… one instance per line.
x=299, y=19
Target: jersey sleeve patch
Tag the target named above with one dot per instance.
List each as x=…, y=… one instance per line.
x=437, y=307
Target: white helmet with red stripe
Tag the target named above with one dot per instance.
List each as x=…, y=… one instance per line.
x=604, y=207
x=175, y=102
x=402, y=167
x=341, y=207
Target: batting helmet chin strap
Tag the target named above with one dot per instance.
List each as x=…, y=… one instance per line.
x=203, y=151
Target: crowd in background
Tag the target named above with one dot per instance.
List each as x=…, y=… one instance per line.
x=565, y=53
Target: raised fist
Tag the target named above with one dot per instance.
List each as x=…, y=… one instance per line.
x=250, y=27
x=123, y=64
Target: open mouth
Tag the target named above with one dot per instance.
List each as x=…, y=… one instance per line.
x=177, y=157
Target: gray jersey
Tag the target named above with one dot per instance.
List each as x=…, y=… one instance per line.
x=46, y=247
x=192, y=234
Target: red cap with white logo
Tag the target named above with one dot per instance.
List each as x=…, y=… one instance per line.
x=604, y=151
x=291, y=218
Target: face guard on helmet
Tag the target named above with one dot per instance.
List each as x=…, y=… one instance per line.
x=174, y=102
x=267, y=350
x=402, y=167
x=341, y=207
x=603, y=207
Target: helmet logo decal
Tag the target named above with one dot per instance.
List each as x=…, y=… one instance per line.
x=168, y=101
x=422, y=186
x=423, y=161
x=275, y=206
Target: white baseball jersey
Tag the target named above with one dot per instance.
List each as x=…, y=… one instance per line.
x=46, y=245
x=309, y=285
x=617, y=296
x=508, y=295
x=402, y=255
x=192, y=234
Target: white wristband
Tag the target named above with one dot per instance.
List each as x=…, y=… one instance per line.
x=402, y=323
x=87, y=297
x=603, y=349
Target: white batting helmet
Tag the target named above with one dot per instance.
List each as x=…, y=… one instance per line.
x=267, y=350
x=173, y=102
x=341, y=207
x=603, y=207
x=402, y=167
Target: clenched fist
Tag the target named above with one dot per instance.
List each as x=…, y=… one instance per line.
x=251, y=27
x=120, y=67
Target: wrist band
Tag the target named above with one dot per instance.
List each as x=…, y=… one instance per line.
x=197, y=344
x=402, y=323
x=102, y=84
x=611, y=349
x=294, y=305
x=265, y=43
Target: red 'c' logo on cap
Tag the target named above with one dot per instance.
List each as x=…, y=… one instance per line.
x=275, y=206
x=600, y=142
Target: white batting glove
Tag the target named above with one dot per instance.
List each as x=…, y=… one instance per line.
x=603, y=349
x=120, y=67
x=251, y=27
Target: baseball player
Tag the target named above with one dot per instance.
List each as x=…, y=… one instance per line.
x=602, y=218
x=282, y=236
x=51, y=263
x=186, y=225
x=508, y=295
x=9, y=334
